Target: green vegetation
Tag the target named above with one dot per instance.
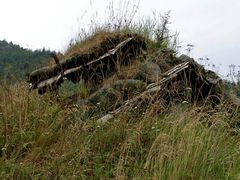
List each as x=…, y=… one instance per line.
x=42, y=139
x=39, y=139
x=16, y=61
x=232, y=88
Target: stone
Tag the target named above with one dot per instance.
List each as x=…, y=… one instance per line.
x=149, y=72
x=129, y=87
x=105, y=118
x=184, y=57
x=106, y=99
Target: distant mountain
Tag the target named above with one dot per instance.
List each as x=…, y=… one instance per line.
x=16, y=61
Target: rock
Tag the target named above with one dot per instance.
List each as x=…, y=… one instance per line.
x=106, y=99
x=129, y=87
x=184, y=57
x=149, y=72
x=105, y=118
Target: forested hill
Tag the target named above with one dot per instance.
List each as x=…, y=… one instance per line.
x=16, y=61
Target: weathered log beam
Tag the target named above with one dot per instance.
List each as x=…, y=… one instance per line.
x=45, y=73
x=170, y=73
x=152, y=88
x=110, y=58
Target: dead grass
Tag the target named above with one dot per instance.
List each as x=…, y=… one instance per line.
x=98, y=43
x=39, y=139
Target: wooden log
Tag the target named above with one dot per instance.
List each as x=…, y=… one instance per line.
x=152, y=88
x=47, y=78
x=80, y=59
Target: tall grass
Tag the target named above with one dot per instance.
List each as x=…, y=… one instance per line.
x=124, y=18
x=41, y=140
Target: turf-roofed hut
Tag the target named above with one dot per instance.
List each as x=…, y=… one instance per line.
x=130, y=76
x=93, y=59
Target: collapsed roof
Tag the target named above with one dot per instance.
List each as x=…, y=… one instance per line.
x=180, y=79
x=96, y=60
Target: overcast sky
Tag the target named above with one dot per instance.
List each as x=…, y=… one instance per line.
x=213, y=26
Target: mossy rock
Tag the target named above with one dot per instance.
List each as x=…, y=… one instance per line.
x=106, y=99
x=149, y=72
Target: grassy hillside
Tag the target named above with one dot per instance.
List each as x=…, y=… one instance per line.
x=43, y=138
x=39, y=139
x=16, y=61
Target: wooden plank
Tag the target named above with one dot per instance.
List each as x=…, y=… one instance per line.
x=171, y=72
